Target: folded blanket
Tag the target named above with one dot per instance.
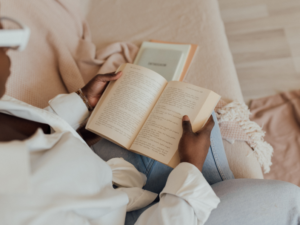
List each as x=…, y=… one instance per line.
x=60, y=56
x=280, y=117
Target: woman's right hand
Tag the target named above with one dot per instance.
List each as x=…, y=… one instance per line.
x=193, y=147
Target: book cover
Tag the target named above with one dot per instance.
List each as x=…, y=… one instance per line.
x=185, y=49
x=163, y=61
x=191, y=56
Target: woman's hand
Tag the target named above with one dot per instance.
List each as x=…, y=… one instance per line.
x=94, y=89
x=193, y=147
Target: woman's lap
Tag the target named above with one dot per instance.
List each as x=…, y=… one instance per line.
x=215, y=168
x=243, y=201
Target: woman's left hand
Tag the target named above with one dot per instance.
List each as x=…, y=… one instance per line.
x=94, y=89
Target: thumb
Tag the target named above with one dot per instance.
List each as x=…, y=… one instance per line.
x=108, y=76
x=209, y=124
x=186, y=124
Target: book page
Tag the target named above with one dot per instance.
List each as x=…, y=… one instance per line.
x=160, y=135
x=127, y=105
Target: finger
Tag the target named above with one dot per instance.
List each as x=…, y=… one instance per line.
x=186, y=124
x=209, y=124
x=207, y=128
x=109, y=76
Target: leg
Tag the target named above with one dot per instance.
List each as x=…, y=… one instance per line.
x=215, y=168
x=157, y=173
x=108, y=150
x=260, y=202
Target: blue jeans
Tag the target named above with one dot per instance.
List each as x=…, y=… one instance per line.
x=215, y=168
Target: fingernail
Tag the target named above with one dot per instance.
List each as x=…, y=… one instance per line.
x=185, y=118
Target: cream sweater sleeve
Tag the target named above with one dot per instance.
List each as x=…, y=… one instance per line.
x=186, y=199
x=70, y=107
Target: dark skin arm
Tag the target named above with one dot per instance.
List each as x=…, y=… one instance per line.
x=15, y=128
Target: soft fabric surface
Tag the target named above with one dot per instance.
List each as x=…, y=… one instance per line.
x=235, y=125
x=190, y=21
x=279, y=115
x=60, y=56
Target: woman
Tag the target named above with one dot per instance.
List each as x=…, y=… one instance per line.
x=50, y=176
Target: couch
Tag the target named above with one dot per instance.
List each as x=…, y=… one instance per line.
x=41, y=71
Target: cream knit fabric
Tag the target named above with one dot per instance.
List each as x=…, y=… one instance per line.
x=235, y=125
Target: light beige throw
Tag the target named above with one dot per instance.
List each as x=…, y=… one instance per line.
x=279, y=115
x=60, y=56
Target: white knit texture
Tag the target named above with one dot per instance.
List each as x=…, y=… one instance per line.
x=239, y=112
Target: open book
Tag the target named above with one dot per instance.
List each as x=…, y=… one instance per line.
x=142, y=112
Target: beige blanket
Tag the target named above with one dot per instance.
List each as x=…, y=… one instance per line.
x=280, y=117
x=60, y=56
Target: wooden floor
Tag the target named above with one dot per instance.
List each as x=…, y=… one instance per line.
x=264, y=38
